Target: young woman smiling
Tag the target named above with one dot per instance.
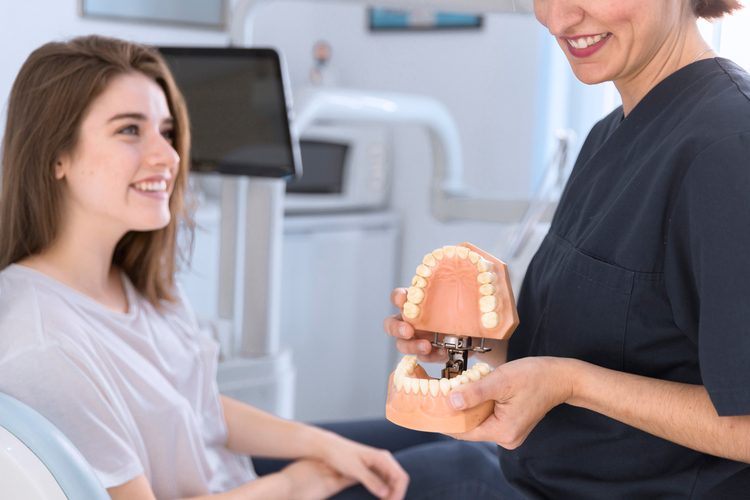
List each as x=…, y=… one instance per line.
x=628, y=376
x=94, y=333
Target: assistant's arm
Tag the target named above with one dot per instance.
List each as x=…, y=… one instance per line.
x=526, y=389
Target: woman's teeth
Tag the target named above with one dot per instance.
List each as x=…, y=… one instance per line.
x=152, y=187
x=584, y=42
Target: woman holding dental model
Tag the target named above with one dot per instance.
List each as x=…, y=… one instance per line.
x=94, y=333
x=634, y=311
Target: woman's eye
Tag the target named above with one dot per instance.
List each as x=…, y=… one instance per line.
x=168, y=135
x=130, y=130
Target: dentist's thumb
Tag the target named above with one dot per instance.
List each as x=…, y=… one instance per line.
x=472, y=394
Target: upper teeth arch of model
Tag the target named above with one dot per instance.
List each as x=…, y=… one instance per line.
x=457, y=347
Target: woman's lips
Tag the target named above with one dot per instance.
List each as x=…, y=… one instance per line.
x=585, y=46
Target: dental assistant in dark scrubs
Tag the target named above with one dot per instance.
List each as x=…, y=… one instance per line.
x=629, y=374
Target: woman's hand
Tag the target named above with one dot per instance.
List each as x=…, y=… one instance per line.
x=523, y=390
x=410, y=341
x=313, y=480
x=376, y=469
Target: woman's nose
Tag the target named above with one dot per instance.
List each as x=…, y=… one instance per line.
x=161, y=152
x=560, y=15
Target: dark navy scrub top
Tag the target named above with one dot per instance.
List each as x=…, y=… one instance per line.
x=646, y=270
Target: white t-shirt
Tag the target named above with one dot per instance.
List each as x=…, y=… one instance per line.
x=134, y=392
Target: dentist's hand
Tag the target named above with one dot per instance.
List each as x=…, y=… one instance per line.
x=523, y=390
x=415, y=342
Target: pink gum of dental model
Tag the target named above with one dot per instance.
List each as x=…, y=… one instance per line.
x=462, y=291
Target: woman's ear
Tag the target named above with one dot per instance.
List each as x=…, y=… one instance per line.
x=60, y=168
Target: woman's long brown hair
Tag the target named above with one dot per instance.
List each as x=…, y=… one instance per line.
x=49, y=99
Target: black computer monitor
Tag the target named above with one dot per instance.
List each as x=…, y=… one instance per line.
x=238, y=110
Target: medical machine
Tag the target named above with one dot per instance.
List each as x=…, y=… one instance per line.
x=347, y=169
x=241, y=115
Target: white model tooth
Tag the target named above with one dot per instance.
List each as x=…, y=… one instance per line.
x=439, y=254
x=490, y=320
x=415, y=385
x=429, y=260
x=455, y=382
x=463, y=252
x=419, y=282
x=424, y=386
x=445, y=386
x=400, y=370
x=484, y=369
x=413, y=360
x=488, y=303
x=449, y=250
x=415, y=295
x=424, y=271
x=406, y=367
x=474, y=375
x=597, y=38
x=399, y=381
x=484, y=265
x=474, y=257
x=486, y=278
x=464, y=379
x=407, y=385
x=411, y=311
x=434, y=387
x=487, y=289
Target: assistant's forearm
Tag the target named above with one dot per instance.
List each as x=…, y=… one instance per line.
x=681, y=413
x=255, y=432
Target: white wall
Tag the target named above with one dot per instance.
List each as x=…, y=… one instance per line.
x=27, y=24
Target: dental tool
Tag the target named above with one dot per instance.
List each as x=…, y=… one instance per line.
x=464, y=295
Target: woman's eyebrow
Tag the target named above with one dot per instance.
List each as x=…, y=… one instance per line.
x=132, y=116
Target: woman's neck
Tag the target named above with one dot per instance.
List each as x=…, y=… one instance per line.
x=680, y=50
x=83, y=262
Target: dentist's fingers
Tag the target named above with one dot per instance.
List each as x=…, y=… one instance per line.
x=398, y=297
x=410, y=341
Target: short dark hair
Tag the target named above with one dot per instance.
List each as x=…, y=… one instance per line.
x=49, y=99
x=715, y=9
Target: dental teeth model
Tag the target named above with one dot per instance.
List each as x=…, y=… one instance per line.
x=459, y=292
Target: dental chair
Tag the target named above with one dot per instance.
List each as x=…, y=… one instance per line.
x=37, y=462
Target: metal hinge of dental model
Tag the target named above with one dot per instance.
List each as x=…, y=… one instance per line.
x=458, y=353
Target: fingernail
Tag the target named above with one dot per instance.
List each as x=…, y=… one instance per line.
x=402, y=331
x=457, y=401
x=423, y=348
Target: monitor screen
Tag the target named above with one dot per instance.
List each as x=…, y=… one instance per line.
x=238, y=111
x=324, y=168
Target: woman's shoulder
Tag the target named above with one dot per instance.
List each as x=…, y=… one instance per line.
x=33, y=312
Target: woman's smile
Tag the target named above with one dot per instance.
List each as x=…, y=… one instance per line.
x=586, y=45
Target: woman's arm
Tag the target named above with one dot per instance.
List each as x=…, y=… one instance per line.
x=302, y=480
x=257, y=433
x=526, y=389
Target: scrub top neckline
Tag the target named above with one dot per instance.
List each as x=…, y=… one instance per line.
x=130, y=292
x=669, y=89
